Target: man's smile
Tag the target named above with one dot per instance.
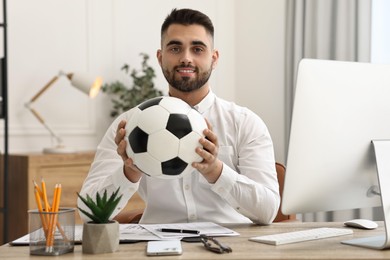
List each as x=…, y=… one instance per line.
x=186, y=72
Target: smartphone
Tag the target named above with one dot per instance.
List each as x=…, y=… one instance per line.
x=164, y=247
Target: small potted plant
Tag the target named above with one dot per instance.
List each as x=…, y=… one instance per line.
x=101, y=234
x=124, y=97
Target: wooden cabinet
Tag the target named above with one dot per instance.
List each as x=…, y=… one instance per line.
x=68, y=169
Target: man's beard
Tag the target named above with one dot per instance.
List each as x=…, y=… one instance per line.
x=185, y=84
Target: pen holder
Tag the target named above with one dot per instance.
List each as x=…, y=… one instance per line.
x=51, y=233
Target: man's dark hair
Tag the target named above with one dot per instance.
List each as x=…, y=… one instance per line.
x=187, y=17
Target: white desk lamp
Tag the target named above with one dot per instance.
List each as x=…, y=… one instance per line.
x=85, y=83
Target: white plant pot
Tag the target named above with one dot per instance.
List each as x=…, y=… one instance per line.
x=100, y=238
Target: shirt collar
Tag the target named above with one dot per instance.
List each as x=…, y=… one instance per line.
x=206, y=102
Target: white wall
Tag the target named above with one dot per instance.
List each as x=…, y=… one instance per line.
x=45, y=36
x=259, y=52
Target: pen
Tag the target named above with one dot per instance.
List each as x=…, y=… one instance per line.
x=173, y=230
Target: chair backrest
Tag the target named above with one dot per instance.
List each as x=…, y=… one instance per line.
x=281, y=171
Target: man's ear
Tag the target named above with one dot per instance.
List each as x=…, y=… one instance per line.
x=159, y=56
x=215, y=58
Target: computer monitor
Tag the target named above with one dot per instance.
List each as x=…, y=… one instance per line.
x=333, y=163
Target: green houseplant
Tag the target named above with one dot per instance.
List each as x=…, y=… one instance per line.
x=100, y=235
x=125, y=97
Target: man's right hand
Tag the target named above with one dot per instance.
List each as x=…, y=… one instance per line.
x=131, y=171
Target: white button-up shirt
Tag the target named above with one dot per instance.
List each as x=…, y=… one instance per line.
x=247, y=190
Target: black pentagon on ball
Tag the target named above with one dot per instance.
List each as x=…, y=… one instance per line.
x=150, y=102
x=174, y=166
x=138, y=140
x=179, y=125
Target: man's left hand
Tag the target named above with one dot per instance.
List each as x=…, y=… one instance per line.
x=211, y=166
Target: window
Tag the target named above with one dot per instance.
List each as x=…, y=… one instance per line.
x=380, y=34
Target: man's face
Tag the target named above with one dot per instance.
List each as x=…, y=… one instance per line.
x=186, y=56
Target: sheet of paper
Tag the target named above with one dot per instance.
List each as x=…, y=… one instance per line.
x=128, y=233
x=205, y=228
x=25, y=240
x=148, y=232
x=131, y=232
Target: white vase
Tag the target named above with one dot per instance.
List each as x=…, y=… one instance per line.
x=100, y=238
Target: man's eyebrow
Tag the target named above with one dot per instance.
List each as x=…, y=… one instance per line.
x=175, y=42
x=199, y=43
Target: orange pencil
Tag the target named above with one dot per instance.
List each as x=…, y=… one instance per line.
x=58, y=200
x=44, y=196
x=51, y=228
x=39, y=205
x=53, y=219
x=57, y=206
x=38, y=189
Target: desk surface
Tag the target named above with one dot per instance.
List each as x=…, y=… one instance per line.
x=329, y=248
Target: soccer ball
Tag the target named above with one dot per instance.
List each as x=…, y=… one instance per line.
x=163, y=133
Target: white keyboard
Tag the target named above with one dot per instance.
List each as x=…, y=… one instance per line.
x=300, y=236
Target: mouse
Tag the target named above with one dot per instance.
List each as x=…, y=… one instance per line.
x=361, y=223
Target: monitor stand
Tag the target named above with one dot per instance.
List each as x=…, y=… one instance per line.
x=382, y=155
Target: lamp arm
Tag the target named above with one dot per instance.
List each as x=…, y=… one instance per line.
x=42, y=121
x=81, y=82
x=48, y=85
x=36, y=114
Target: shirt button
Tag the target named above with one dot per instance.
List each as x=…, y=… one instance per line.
x=187, y=187
x=221, y=190
x=192, y=216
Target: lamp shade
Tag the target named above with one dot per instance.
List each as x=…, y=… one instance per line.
x=86, y=83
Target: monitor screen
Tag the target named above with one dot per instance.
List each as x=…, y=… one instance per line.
x=339, y=107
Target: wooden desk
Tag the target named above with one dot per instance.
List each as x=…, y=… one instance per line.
x=329, y=248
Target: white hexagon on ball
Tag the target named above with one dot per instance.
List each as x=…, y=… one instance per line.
x=187, y=148
x=150, y=166
x=198, y=123
x=172, y=106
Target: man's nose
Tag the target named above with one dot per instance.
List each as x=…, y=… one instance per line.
x=186, y=57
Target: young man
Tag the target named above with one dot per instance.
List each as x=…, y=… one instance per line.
x=235, y=183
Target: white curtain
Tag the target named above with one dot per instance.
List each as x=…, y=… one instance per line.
x=332, y=30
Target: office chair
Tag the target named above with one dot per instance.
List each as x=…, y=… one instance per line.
x=133, y=216
x=281, y=171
